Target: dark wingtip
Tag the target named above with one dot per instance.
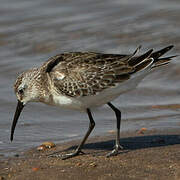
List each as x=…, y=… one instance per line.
x=169, y=47
x=161, y=52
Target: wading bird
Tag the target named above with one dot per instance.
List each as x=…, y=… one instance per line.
x=82, y=80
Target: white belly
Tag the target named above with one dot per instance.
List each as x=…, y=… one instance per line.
x=82, y=103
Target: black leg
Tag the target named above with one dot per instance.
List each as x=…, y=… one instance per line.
x=78, y=150
x=117, y=145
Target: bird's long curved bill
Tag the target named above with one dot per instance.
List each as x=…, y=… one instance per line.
x=16, y=116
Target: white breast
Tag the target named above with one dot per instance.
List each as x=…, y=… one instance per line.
x=67, y=102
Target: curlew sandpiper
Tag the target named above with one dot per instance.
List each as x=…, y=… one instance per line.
x=82, y=80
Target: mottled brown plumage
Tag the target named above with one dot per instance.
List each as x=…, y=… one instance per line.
x=79, y=74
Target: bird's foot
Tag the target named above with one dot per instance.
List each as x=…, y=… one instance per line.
x=115, y=151
x=70, y=155
x=55, y=155
x=66, y=156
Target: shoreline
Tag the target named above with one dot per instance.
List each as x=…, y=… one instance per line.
x=150, y=154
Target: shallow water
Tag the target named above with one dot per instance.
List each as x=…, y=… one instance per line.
x=33, y=31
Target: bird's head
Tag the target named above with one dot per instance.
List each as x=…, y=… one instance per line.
x=26, y=86
x=26, y=90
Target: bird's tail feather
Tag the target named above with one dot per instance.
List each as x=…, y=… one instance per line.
x=151, y=59
x=162, y=61
x=161, y=52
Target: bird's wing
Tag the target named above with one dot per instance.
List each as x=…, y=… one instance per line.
x=83, y=74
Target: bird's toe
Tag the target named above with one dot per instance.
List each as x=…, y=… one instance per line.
x=70, y=155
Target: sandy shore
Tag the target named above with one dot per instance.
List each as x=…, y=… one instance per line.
x=149, y=155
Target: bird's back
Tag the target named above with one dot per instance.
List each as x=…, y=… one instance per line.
x=97, y=78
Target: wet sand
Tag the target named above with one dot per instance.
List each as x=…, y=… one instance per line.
x=151, y=154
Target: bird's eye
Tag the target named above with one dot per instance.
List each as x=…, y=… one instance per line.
x=20, y=91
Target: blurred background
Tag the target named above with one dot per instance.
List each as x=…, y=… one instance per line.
x=33, y=31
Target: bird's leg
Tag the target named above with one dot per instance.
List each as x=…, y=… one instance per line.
x=78, y=150
x=117, y=147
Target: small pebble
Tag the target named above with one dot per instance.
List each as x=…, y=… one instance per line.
x=142, y=130
x=111, y=131
x=35, y=168
x=41, y=147
x=9, y=175
x=45, y=145
x=93, y=164
x=78, y=164
x=49, y=144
